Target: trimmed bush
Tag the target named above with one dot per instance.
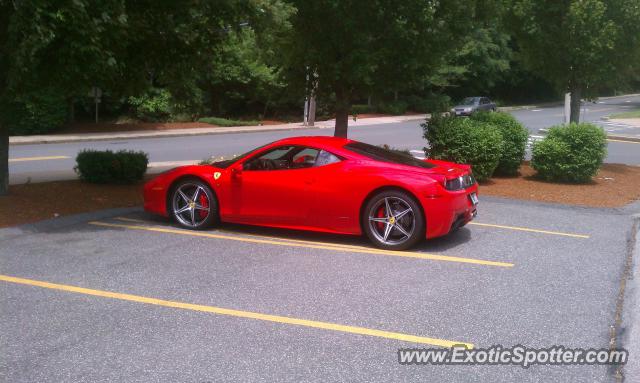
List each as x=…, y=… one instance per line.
x=38, y=112
x=152, y=106
x=464, y=140
x=107, y=167
x=514, y=137
x=571, y=153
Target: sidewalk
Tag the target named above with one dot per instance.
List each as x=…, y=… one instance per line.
x=625, y=129
x=80, y=137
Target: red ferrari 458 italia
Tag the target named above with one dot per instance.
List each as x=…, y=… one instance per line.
x=325, y=184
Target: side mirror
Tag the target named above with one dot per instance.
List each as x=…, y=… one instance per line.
x=236, y=171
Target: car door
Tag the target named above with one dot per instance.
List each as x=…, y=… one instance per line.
x=272, y=188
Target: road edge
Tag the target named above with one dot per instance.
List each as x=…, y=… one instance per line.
x=625, y=332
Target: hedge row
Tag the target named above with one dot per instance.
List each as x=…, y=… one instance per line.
x=493, y=143
x=571, y=153
x=103, y=167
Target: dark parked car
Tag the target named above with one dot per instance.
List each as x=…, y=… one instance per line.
x=473, y=104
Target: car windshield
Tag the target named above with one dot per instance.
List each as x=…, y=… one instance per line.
x=380, y=154
x=469, y=101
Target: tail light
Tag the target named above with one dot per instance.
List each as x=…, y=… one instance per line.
x=460, y=183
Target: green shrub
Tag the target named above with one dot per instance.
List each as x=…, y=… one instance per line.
x=38, y=112
x=361, y=109
x=571, y=153
x=226, y=122
x=514, y=137
x=393, y=107
x=106, y=167
x=464, y=140
x=152, y=106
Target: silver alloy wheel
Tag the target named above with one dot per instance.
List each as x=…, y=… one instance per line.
x=392, y=220
x=189, y=202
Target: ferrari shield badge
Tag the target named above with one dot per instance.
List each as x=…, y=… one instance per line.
x=216, y=175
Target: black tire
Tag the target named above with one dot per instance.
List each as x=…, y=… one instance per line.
x=196, y=213
x=376, y=221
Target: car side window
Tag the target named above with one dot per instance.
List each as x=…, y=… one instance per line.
x=274, y=159
x=326, y=158
x=284, y=158
x=304, y=158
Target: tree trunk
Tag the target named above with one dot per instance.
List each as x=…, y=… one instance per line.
x=4, y=160
x=343, y=104
x=72, y=110
x=575, y=104
x=342, y=122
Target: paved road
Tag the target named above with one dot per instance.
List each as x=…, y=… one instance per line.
x=87, y=308
x=59, y=158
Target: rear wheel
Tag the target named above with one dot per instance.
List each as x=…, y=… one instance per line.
x=393, y=220
x=193, y=205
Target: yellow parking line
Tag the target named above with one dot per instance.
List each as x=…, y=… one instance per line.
x=332, y=244
x=404, y=254
x=238, y=313
x=21, y=159
x=530, y=230
x=625, y=141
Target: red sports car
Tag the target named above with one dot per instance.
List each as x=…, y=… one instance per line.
x=325, y=184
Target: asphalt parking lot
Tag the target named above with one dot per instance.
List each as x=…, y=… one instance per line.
x=124, y=296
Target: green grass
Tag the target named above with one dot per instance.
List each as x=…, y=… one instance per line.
x=226, y=122
x=632, y=114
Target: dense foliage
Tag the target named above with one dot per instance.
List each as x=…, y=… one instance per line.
x=514, y=137
x=466, y=141
x=258, y=59
x=572, y=153
x=107, y=167
x=38, y=112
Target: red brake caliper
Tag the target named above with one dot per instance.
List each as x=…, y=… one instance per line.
x=380, y=214
x=204, y=202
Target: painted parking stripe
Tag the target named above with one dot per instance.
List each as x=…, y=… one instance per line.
x=530, y=230
x=271, y=237
x=238, y=313
x=320, y=245
x=23, y=159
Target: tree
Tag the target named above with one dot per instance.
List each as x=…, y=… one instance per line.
x=120, y=45
x=579, y=45
x=349, y=48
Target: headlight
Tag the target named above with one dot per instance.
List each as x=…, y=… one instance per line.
x=453, y=110
x=467, y=109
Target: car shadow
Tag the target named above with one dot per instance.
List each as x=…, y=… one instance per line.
x=447, y=242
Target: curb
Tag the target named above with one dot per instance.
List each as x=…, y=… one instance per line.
x=627, y=331
x=609, y=136
x=130, y=135
x=133, y=136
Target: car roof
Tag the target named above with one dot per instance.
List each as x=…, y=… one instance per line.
x=329, y=141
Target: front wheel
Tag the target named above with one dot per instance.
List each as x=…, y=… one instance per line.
x=193, y=205
x=393, y=220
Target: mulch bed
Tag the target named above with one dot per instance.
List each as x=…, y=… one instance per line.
x=34, y=202
x=614, y=186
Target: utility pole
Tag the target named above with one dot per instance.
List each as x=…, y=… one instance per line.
x=567, y=108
